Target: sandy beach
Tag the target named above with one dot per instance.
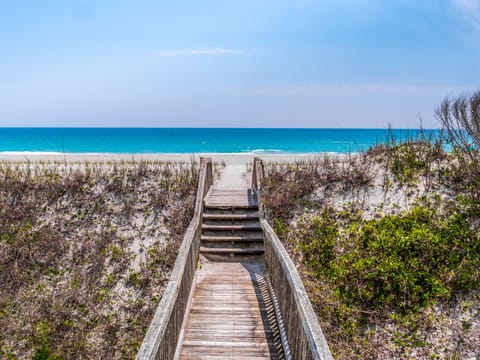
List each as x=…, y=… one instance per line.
x=227, y=158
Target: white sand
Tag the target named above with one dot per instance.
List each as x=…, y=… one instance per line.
x=233, y=177
x=228, y=158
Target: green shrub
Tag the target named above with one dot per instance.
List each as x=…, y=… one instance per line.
x=408, y=160
x=316, y=240
x=43, y=353
x=398, y=261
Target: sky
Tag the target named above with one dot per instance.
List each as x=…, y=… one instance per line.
x=229, y=63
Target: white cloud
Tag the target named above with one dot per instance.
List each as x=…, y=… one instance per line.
x=198, y=52
x=470, y=9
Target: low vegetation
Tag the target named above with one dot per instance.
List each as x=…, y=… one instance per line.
x=388, y=244
x=85, y=253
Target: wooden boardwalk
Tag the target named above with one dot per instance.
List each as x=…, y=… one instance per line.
x=231, y=314
x=219, y=304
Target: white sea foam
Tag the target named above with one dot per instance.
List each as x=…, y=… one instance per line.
x=264, y=151
x=30, y=153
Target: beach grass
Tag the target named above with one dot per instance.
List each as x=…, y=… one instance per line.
x=85, y=252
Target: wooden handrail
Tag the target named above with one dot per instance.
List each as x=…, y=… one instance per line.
x=304, y=334
x=162, y=336
x=257, y=182
x=257, y=174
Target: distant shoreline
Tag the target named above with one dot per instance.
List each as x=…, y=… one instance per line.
x=228, y=158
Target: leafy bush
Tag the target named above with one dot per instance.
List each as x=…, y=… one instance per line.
x=316, y=239
x=408, y=160
x=405, y=261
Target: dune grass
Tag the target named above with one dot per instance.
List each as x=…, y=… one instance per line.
x=85, y=252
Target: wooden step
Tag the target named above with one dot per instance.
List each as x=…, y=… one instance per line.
x=244, y=234
x=233, y=238
x=257, y=250
x=212, y=206
x=238, y=198
x=230, y=210
x=231, y=227
x=245, y=216
x=230, y=221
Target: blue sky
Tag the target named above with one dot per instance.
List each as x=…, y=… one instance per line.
x=245, y=63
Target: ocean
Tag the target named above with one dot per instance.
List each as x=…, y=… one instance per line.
x=198, y=140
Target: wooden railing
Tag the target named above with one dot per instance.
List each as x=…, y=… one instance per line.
x=257, y=182
x=257, y=174
x=161, y=340
x=304, y=334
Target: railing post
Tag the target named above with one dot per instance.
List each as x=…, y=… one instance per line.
x=257, y=182
x=209, y=172
x=204, y=183
x=257, y=174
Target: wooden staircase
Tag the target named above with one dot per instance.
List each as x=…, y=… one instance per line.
x=231, y=225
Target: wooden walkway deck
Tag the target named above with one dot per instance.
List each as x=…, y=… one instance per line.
x=231, y=315
x=231, y=198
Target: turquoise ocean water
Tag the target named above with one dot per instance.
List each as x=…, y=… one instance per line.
x=195, y=140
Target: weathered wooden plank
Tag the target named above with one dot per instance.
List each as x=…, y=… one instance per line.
x=229, y=353
x=231, y=198
x=218, y=288
x=232, y=227
x=226, y=348
x=227, y=298
x=242, y=335
x=226, y=307
x=226, y=345
x=233, y=319
x=232, y=357
x=228, y=327
x=254, y=250
x=246, y=216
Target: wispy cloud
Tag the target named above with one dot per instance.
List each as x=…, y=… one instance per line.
x=470, y=9
x=198, y=52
